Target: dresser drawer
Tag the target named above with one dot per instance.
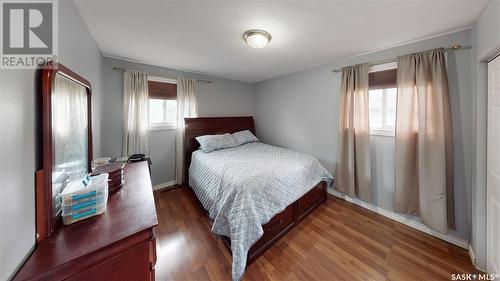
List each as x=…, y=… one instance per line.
x=311, y=199
x=132, y=265
x=276, y=225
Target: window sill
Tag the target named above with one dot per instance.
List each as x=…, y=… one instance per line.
x=383, y=133
x=162, y=128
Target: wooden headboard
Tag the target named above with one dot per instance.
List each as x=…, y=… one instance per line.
x=200, y=126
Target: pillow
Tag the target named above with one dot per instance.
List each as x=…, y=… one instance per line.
x=243, y=137
x=214, y=142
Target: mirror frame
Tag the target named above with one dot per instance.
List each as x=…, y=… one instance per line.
x=46, y=222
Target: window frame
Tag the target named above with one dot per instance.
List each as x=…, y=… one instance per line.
x=165, y=126
x=385, y=130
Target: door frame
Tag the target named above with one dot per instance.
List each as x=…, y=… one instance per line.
x=488, y=184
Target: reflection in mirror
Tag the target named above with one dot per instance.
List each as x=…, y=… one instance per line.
x=70, y=135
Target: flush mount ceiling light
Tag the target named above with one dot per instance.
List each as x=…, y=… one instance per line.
x=257, y=38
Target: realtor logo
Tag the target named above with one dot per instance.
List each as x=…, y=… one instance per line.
x=29, y=34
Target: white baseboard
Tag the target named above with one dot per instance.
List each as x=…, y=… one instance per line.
x=472, y=256
x=473, y=259
x=163, y=185
x=402, y=219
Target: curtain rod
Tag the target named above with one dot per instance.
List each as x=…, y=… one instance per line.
x=452, y=48
x=123, y=69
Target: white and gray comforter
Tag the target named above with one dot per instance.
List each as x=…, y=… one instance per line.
x=243, y=187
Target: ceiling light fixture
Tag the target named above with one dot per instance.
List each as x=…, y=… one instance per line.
x=257, y=38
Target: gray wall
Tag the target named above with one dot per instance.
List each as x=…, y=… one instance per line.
x=78, y=51
x=301, y=110
x=486, y=42
x=220, y=98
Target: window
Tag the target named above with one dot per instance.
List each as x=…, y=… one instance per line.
x=162, y=103
x=162, y=113
x=382, y=99
x=382, y=106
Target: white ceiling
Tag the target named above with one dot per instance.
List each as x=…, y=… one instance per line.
x=206, y=36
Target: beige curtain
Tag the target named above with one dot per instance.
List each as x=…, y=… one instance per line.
x=186, y=107
x=423, y=164
x=135, y=113
x=353, y=175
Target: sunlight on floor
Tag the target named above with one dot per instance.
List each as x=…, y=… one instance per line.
x=173, y=251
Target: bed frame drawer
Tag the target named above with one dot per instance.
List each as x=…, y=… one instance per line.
x=310, y=200
x=280, y=224
x=272, y=229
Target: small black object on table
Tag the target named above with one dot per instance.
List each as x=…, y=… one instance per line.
x=139, y=158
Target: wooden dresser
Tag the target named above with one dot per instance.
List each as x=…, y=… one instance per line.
x=117, y=245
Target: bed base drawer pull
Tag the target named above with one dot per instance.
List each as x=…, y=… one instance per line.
x=277, y=224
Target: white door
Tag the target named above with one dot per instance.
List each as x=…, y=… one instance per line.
x=493, y=193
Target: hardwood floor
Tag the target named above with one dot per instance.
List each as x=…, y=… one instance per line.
x=338, y=241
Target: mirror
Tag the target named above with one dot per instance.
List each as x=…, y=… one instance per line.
x=66, y=142
x=69, y=135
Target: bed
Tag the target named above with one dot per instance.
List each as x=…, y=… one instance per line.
x=254, y=193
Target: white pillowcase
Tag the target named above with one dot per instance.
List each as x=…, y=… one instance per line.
x=210, y=143
x=243, y=137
